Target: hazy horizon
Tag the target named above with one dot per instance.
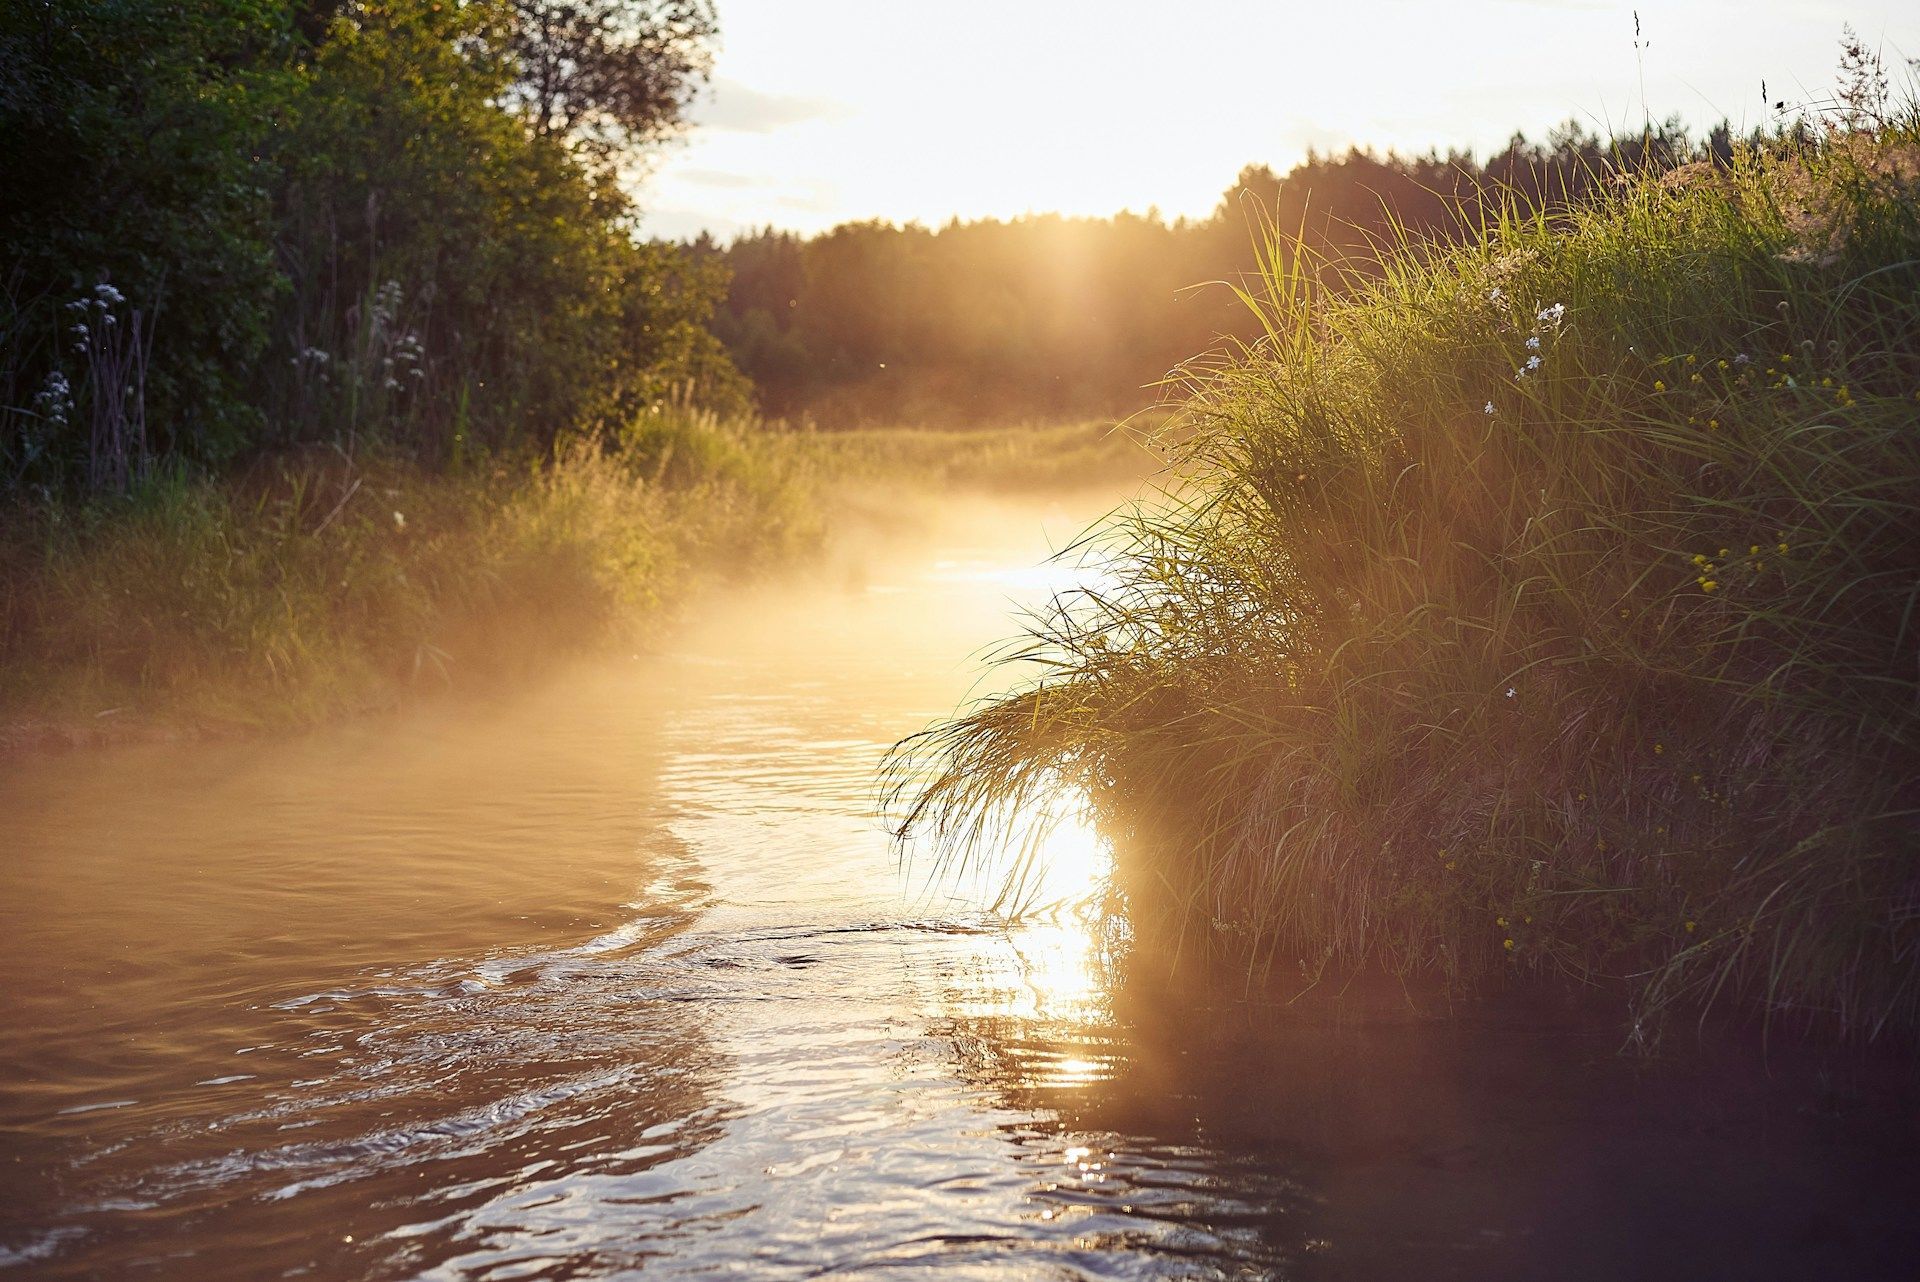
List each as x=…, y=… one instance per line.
x=835, y=112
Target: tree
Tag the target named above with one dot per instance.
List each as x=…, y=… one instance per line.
x=610, y=74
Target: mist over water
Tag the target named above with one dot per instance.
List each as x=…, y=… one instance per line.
x=622, y=974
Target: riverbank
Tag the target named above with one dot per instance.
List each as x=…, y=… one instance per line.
x=1541, y=613
x=315, y=585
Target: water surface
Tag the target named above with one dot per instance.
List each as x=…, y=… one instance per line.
x=620, y=976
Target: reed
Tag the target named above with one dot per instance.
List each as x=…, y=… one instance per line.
x=1544, y=609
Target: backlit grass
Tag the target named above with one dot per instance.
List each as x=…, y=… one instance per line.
x=1544, y=610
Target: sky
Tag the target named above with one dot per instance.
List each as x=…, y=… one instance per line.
x=827, y=111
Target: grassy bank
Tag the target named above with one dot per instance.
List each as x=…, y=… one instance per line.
x=309, y=585
x=1546, y=611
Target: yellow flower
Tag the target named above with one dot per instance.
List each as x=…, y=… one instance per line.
x=1507, y=944
x=1659, y=749
x=1499, y=921
x=1690, y=927
x=1690, y=358
x=1659, y=386
x=1754, y=550
x=1781, y=548
x=1713, y=424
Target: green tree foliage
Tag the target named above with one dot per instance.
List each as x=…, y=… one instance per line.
x=128, y=143
x=610, y=73
x=335, y=221
x=1050, y=317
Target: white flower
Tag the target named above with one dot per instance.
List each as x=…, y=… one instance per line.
x=399, y=521
x=1489, y=407
x=1511, y=692
x=108, y=293
x=1533, y=344
x=1552, y=315
x=1494, y=295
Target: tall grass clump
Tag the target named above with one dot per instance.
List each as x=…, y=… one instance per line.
x=312, y=582
x=1548, y=608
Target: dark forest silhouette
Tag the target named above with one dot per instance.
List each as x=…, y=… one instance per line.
x=1047, y=317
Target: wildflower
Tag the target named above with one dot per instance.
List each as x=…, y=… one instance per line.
x=1510, y=692
x=1708, y=585
x=1659, y=749
x=1495, y=294
x=1499, y=921
x=1533, y=343
x=1742, y=360
x=107, y=294
x=1754, y=550
x=1696, y=379
x=1552, y=315
x=1781, y=548
x=1713, y=424
x=1533, y=363
x=1659, y=386
x=1489, y=407
x=1690, y=927
x=399, y=521
x=1507, y=944
x=1691, y=358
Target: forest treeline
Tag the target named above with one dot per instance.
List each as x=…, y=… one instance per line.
x=1048, y=317
x=242, y=224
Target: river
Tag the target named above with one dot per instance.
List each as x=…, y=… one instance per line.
x=621, y=975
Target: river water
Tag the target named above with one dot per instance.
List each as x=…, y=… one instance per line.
x=621, y=976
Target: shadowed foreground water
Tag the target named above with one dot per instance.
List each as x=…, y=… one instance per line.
x=621, y=977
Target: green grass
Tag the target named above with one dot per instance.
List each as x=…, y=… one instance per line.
x=310, y=585
x=1613, y=686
